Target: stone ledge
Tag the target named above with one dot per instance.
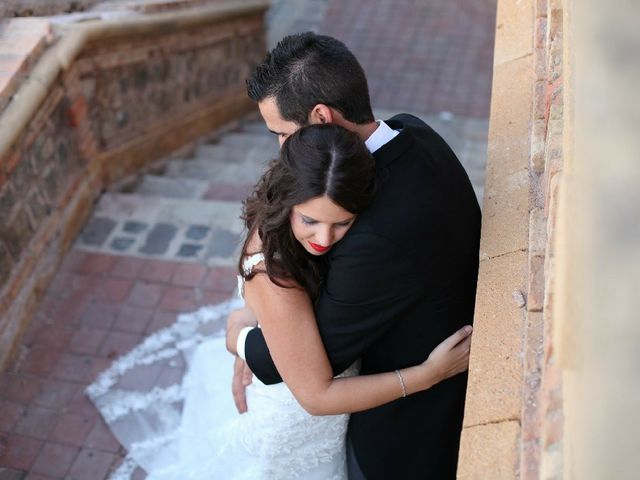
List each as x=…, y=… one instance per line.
x=491, y=451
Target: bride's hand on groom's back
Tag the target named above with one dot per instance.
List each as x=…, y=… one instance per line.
x=451, y=357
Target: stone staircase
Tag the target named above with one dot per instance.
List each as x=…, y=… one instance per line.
x=184, y=209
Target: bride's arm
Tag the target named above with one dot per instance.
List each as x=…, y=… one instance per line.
x=291, y=333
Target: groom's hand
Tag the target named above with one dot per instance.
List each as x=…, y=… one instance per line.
x=242, y=376
x=237, y=320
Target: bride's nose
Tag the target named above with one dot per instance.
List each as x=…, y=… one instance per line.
x=324, y=236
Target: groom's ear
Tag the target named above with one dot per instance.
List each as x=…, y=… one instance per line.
x=321, y=113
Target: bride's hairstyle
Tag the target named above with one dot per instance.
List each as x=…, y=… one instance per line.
x=317, y=160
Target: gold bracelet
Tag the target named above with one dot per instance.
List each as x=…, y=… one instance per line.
x=404, y=388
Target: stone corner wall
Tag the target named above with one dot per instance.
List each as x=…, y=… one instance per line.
x=513, y=425
x=132, y=94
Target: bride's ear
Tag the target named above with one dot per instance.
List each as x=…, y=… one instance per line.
x=321, y=113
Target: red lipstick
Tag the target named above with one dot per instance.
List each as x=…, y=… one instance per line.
x=319, y=248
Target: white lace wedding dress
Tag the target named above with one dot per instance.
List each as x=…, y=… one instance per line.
x=186, y=427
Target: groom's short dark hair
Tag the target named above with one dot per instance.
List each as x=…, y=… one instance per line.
x=306, y=69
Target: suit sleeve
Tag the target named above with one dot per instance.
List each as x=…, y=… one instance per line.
x=371, y=284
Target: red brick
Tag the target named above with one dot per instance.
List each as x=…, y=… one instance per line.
x=56, y=393
x=53, y=336
x=98, y=263
x=72, y=367
x=211, y=297
x=54, y=459
x=118, y=343
x=101, y=438
x=222, y=279
x=157, y=271
x=178, y=299
x=145, y=294
x=9, y=414
x=133, y=319
x=37, y=422
x=98, y=365
x=72, y=429
x=99, y=315
x=115, y=290
x=160, y=320
x=19, y=452
x=73, y=261
x=20, y=389
x=91, y=465
x=189, y=275
x=127, y=267
x=40, y=360
x=87, y=340
x=81, y=405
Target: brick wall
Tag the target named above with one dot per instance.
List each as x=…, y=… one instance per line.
x=514, y=416
x=27, y=8
x=127, y=99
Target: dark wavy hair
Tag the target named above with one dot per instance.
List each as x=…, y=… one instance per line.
x=317, y=160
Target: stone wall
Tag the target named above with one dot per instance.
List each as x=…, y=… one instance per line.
x=514, y=419
x=27, y=8
x=137, y=90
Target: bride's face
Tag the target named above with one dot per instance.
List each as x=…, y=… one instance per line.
x=319, y=223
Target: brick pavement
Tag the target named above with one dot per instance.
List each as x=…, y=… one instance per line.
x=112, y=291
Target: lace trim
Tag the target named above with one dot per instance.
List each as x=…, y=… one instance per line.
x=247, y=266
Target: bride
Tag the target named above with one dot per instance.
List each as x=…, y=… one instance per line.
x=188, y=428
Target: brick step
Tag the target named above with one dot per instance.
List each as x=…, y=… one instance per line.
x=245, y=169
x=268, y=141
x=164, y=228
x=170, y=187
x=256, y=126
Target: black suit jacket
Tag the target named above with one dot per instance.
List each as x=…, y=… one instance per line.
x=401, y=281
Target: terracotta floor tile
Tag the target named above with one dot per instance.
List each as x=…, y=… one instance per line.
x=72, y=429
x=133, y=319
x=157, y=271
x=54, y=459
x=145, y=294
x=36, y=422
x=178, y=299
x=118, y=343
x=87, y=340
x=127, y=267
x=19, y=452
x=161, y=319
x=101, y=438
x=10, y=413
x=99, y=315
x=91, y=465
x=20, y=388
x=222, y=279
x=189, y=275
x=97, y=263
x=72, y=367
x=56, y=393
x=40, y=360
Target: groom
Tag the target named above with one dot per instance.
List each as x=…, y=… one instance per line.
x=395, y=290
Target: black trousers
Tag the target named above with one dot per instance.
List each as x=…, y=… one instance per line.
x=353, y=469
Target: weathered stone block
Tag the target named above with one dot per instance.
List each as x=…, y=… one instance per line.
x=489, y=452
x=506, y=199
x=514, y=31
x=496, y=366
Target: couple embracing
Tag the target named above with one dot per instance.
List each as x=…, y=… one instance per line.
x=358, y=274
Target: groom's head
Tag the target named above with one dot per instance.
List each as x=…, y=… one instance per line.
x=309, y=78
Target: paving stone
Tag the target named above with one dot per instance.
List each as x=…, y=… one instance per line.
x=159, y=238
x=189, y=250
x=134, y=227
x=10, y=474
x=223, y=243
x=36, y=422
x=197, y=232
x=72, y=429
x=10, y=413
x=157, y=271
x=122, y=244
x=97, y=231
x=91, y=465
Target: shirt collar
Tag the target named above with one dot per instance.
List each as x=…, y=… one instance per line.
x=383, y=134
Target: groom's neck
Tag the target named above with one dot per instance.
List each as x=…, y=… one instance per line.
x=363, y=130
